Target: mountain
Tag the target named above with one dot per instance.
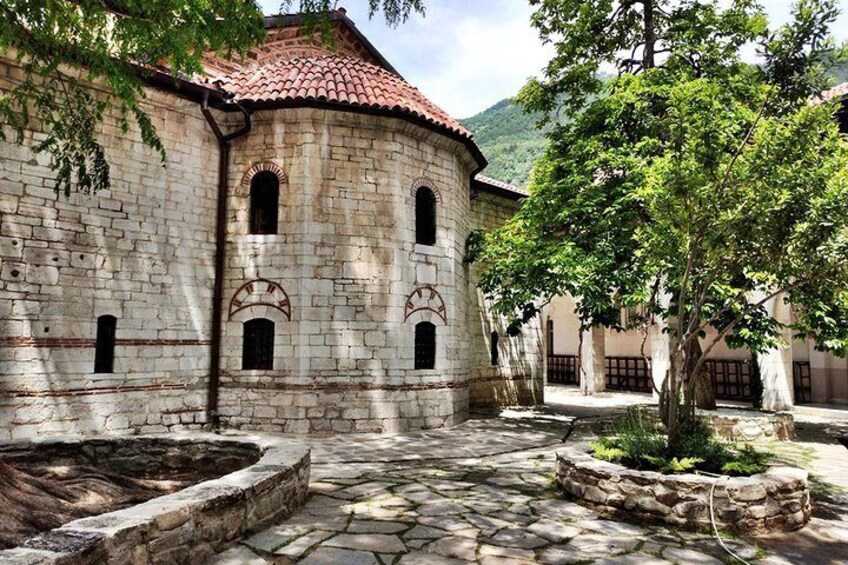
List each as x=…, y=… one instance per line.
x=509, y=140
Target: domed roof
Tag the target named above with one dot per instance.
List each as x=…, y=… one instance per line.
x=331, y=79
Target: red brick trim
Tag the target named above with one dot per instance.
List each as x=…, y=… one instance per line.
x=420, y=299
x=500, y=378
x=89, y=391
x=257, y=168
x=71, y=342
x=280, y=302
x=429, y=184
x=337, y=387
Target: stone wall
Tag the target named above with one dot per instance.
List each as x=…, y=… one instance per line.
x=141, y=251
x=777, y=500
x=517, y=377
x=343, y=279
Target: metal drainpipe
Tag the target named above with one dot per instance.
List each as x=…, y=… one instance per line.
x=212, y=416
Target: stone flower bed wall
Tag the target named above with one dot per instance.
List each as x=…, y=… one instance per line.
x=777, y=500
x=184, y=527
x=734, y=424
x=747, y=425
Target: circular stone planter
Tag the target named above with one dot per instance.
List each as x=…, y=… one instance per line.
x=267, y=479
x=740, y=424
x=775, y=501
x=749, y=425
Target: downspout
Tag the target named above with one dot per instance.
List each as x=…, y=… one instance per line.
x=212, y=416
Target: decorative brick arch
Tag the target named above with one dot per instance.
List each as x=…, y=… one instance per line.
x=255, y=169
x=422, y=302
x=260, y=294
x=429, y=184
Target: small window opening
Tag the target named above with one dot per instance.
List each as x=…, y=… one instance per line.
x=494, y=354
x=264, y=203
x=258, y=345
x=425, y=216
x=425, y=346
x=104, y=353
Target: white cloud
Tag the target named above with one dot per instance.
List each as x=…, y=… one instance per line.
x=466, y=55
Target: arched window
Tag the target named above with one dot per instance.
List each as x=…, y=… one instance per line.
x=425, y=216
x=425, y=345
x=257, y=351
x=104, y=353
x=264, y=203
x=493, y=348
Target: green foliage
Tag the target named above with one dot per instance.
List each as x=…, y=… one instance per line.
x=673, y=465
x=747, y=461
x=510, y=140
x=66, y=45
x=638, y=444
x=700, y=187
x=605, y=449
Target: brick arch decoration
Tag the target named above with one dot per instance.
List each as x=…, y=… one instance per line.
x=260, y=293
x=422, y=301
x=429, y=184
x=255, y=169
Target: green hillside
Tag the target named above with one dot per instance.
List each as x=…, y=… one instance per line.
x=509, y=140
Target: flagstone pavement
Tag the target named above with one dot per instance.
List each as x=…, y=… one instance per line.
x=483, y=493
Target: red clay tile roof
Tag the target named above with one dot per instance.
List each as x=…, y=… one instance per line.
x=499, y=186
x=335, y=79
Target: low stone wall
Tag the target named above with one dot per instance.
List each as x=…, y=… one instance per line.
x=737, y=424
x=184, y=527
x=747, y=425
x=777, y=500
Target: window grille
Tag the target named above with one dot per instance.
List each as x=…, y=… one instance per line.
x=264, y=203
x=258, y=345
x=425, y=346
x=104, y=353
x=425, y=216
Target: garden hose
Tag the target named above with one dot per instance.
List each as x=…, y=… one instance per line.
x=712, y=516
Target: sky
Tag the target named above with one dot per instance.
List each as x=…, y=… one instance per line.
x=466, y=55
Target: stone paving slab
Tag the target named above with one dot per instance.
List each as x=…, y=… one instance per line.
x=482, y=493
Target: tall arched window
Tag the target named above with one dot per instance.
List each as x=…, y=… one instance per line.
x=104, y=353
x=493, y=348
x=425, y=216
x=264, y=203
x=425, y=345
x=257, y=353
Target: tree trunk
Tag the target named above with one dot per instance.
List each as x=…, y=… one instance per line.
x=675, y=416
x=650, y=32
x=702, y=387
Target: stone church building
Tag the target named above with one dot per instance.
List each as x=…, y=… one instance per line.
x=297, y=265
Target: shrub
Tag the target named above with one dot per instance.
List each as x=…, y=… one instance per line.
x=639, y=444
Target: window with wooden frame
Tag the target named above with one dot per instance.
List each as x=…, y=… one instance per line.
x=264, y=203
x=425, y=345
x=425, y=216
x=258, y=345
x=104, y=353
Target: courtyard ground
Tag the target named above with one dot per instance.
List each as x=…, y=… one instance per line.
x=482, y=492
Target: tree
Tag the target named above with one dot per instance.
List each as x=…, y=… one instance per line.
x=66, y=45
x=695, y=185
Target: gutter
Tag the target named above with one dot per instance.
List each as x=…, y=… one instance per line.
x=224, y=141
